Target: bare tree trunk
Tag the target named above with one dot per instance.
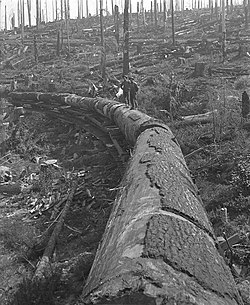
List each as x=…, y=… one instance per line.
x=78, y=10
x=61, y=9
x=223, y=27
x=143, y=13
x=68, y=7
x=155, y=12
x=29, y=11
x=22, y=19
x=126, y=39
x=173, y=29
x=117, y=30
x=216, y=9
x=46, y=11
x=67, y=25
x=82, y=6
x=5, y=18
x=97, y=8
x=103, y=50
x=23, y=13
x=87, y=8
x=165, y=14
x=56, y=9
x=1, y=13
x=112, y=7
x=40, y=10
x=137, y=16
x=18, y=14
x=151, y=12
x=37, y=14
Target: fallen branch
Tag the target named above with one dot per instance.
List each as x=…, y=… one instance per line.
x=43, y=269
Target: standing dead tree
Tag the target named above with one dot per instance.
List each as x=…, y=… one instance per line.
x=67, y=24
x=116, y=21
x=38, y=14
x=29, y=11
x=155, y=13
x=61, y=9
x=5, y=18
x=173, y=29
x=87, y=8
x=103, y=49
x=126, y=39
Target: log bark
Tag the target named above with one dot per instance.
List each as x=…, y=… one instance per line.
x=158, y=246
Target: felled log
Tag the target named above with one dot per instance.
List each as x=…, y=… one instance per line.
x=202, y=118
x=44, y=269
x=158, y=246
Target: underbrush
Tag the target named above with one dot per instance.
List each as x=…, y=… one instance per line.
x=32, y=292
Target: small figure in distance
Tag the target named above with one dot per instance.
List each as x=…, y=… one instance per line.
x=133, y=91
x=125, y=86
x=245, y=105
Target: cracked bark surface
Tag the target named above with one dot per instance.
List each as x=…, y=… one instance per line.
x=158, y=246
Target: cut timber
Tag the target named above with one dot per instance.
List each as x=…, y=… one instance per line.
x=198, y=118
x=199, y=69
x=43, y=270
x=158, y=246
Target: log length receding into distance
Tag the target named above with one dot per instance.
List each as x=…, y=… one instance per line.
x=158, y=246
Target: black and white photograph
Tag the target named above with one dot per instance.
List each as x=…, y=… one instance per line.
x=124, y=152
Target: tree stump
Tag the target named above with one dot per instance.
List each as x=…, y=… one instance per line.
x=199, y=69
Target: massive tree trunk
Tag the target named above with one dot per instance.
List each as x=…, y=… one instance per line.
x=158, y=246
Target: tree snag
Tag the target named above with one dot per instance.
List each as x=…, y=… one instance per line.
x=126, y=39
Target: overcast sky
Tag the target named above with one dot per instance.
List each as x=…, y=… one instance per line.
x=11, y=6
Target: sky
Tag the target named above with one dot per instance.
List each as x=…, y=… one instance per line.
x=11, y=7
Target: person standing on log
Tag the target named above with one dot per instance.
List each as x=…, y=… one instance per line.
x=245, y=105
x=133, y=91
x=125, y=86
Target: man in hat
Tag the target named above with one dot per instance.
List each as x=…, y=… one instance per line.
x=125, y=86
x=133, y=91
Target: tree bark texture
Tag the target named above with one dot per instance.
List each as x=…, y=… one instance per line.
x=158, y=246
